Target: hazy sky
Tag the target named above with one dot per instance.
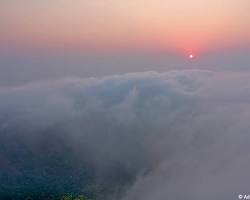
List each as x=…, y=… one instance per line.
x=164, y=30
x=189, y=25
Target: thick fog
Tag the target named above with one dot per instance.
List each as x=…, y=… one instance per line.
x=173, y=135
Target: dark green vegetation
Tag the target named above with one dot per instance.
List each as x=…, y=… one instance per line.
x=49, y=169
x=45, y=172
x=71, y=197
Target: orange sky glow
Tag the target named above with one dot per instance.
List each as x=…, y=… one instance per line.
x=188, y=26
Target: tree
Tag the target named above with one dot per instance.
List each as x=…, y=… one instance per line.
x=70, y=197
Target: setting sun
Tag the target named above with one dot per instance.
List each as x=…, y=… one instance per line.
x=191, y=56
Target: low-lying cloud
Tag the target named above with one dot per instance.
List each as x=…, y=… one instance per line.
x=174, y=135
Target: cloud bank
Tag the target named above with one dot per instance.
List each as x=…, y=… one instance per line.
x=174, y=135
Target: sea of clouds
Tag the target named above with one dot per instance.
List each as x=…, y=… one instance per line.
x=173, y=135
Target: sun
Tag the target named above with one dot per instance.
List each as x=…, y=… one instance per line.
x=191, y=56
